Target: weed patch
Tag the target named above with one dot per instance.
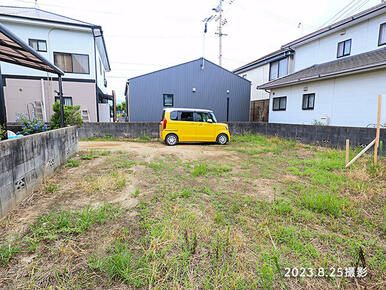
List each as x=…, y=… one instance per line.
x=324, y=202
x=114, y=180
x=64, y=223
x=206, y=169
x=93, y=154
x=73, y=163
x=7, y=251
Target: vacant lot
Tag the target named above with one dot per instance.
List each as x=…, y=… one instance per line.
x=144, y=215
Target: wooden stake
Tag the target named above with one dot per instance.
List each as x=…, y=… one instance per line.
x=361, y=153
x=347, y=151
x=114, y=107
x=378, y=130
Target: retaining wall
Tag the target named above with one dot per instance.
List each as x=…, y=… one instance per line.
x=119, y=130
x=25, y=161
x=320, y=135
x=329, y=136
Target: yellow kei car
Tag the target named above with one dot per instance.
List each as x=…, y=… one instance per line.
x=191, y=125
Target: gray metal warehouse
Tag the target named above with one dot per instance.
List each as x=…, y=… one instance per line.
x=196, y=84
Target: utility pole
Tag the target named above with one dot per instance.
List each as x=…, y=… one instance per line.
x=221, y=22
x=220, y=34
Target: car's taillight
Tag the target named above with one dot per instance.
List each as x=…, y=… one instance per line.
x=164, y=124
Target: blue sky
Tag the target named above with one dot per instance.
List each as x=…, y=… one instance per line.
x=146, y=35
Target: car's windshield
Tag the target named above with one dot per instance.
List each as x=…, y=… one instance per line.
x=213, y=117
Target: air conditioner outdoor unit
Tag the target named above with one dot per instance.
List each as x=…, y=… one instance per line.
x=325, y=120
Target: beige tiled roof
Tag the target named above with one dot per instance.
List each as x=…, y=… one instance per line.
x=369, y=60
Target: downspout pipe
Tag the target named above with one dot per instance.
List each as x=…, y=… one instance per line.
x=61, y=101
x=96, y=75
x=43, y=101
x=3, y=111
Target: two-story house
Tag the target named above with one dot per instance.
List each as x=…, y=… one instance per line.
x=76, y=47
x=338, y=73
x=267, y=68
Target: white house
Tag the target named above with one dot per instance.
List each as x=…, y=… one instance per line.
x=76, y=47
x=263, y=70
x=338, y=73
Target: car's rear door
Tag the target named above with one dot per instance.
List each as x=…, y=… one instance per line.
x=186, y=126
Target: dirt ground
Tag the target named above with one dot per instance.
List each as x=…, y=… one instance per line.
x=40, y=202
x=69, y=193
x=149, y=151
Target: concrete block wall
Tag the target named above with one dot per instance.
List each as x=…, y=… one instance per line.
x=119, y=130
x=328, y=136
x=321, y=135
x=26, y=161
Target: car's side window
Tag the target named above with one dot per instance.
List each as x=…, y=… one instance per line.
x=186, y=116
x=202, y=117
x=213, y=118
x=174, y=115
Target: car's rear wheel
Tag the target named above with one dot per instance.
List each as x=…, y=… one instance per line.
x=222, y=139
x=171, y=139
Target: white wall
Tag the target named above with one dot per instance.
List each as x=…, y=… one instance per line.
x=58, y=40
x=364, y=37
x=347, y=101
x=100, y=76
x=258, y=76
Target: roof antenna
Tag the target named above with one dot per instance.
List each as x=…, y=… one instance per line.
x=36, y=4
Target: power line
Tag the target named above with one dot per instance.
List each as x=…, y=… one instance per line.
x=218, y=17
x=65, y=7
x=337, y=15
x=360, y=7
x=353, y=9
x=135, y=63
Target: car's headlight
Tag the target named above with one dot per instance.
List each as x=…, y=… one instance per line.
x=226, y=127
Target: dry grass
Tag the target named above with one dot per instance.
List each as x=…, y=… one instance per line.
x=199, y=217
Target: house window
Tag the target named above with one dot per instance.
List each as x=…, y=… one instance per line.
x=278, y=69
x=168, y=100
x=308, y=101
x=67, y=100
x=38, y=45
x=72, y=63
x=344, y=48
x=382, y=34
x=279, y=104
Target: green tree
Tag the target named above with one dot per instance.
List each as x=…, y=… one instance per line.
x=72, y=116
x=121, y=107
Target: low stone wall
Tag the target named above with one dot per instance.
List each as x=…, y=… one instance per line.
x=309, y=134
x=320, y=135
x=25, y=161
x=119, y=130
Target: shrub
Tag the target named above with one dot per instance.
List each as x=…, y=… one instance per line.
x=31, y=124
x=72, y=116
x=3, y=132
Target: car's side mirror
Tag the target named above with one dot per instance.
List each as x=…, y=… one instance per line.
x=210, y=121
